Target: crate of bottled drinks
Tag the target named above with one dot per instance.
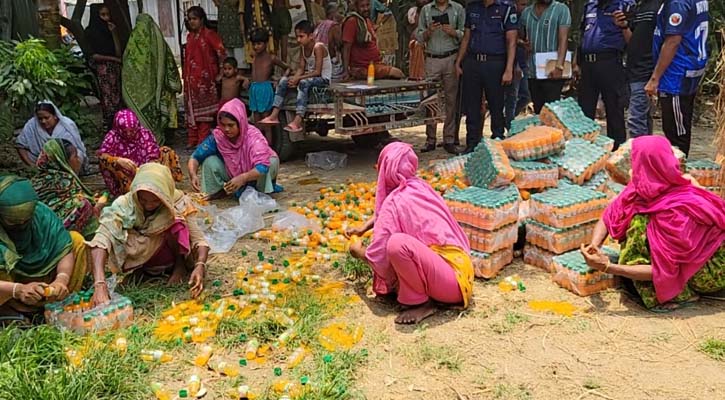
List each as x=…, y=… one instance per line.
x=488, y=165
x=78, y=314
x=492, y=241
x=487, y=209
x=534, y=143
x=605, y=142
x=451, y=166
x=706, y=172
x=568, y=116
x=521, y=124
x=619, y=164
x=580, y=160
x=558, y=240
x=572, y=273
x=567, y=206
x=538, y=257
x=535, y=175
x=488, y=265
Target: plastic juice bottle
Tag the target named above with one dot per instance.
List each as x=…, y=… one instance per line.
x=250, y=352
x=156, y=355
x=371, y=74
x=296, y=357
x=204, y=355
x=285, y=337
x=160, y=392
x=74, y=357
x=120, y=345
x=227, y=369
x=194, y=385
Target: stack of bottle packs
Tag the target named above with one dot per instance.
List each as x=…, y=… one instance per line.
x=488, y=216
x=706, y=172
x=580, y=160
x=596, y=182
x=77, y=313
x=486, y=209
x=604, y=142
x=452, y=166
x=534, y=143
x=569, y=117
x=488, y=165
x=488, y=265
x=572, y=273
x=520, y=124
x=619, y=163
x=558, y=240
x=535, y=175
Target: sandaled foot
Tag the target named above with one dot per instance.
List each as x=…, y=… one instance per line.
x=269, y=121
x=293, y=128
x=416, y=314
x=672, y=306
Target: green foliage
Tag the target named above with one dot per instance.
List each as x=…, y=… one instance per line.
x=33, y=366
x=30, y=72
x=714, y=348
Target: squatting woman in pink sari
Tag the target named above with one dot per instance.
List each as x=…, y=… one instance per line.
x=418, y=250
x=672, y=231
x=128, y=146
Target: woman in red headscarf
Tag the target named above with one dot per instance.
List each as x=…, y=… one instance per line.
x=418, y=250
x=672, y=231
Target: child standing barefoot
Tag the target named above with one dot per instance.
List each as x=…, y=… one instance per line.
x=261, y=91
x=314, y=70
x=231, y=81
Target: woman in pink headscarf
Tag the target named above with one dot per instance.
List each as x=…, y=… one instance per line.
x=234, y=156
x=128, y=146
x=672, y=231
x=418, y=250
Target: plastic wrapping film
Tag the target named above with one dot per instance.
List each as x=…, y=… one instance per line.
x=487, y=209
x=568, y=116
x=580, y=160
x=535, y=175
x=452, y=166
x=488, y=265
x=534, y=143
x=706, y=172
x=488, y=165
x=492, y=241
x=568, y=206
x=572, y=273
x=558, y=240
x=538, y=257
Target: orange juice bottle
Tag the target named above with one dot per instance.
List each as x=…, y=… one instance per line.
x=371, y=74
x=204, y=355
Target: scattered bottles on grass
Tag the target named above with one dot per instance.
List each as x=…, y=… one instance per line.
x=511, y=283
x=156, y=356
x=194, y=385
x=204, y=355
x=160, y=392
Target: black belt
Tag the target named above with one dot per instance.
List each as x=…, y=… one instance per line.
x=488, y=57
x=594, y=57
x=444, y=55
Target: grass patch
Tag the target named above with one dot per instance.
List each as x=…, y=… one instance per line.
x=510, y=321
x=152, y=297
x=334, y=375
x=506, y=391
x=424, y=352
x=713, y=348
x=355, y=269
x=591, y=384
x=33, y=365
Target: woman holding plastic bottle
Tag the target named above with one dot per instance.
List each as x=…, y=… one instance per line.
x=418, y=252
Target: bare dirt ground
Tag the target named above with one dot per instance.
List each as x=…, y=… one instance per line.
x=501, y=349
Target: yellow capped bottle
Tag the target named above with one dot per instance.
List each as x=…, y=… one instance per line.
x=194, y=385
x=204, y=355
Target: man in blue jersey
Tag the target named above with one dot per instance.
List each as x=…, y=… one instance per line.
x=680, y=48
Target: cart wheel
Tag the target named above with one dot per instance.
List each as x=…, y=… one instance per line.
x=371, y=140
x=281, y=142
x=322, y=128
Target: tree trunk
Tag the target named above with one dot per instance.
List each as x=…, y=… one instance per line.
x=49, y=18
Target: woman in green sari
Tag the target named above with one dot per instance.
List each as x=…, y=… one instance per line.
x=59, y=187
x=39, y=259
x=150, y=77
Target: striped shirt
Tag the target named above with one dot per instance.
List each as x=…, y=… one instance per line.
x=543, y=32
